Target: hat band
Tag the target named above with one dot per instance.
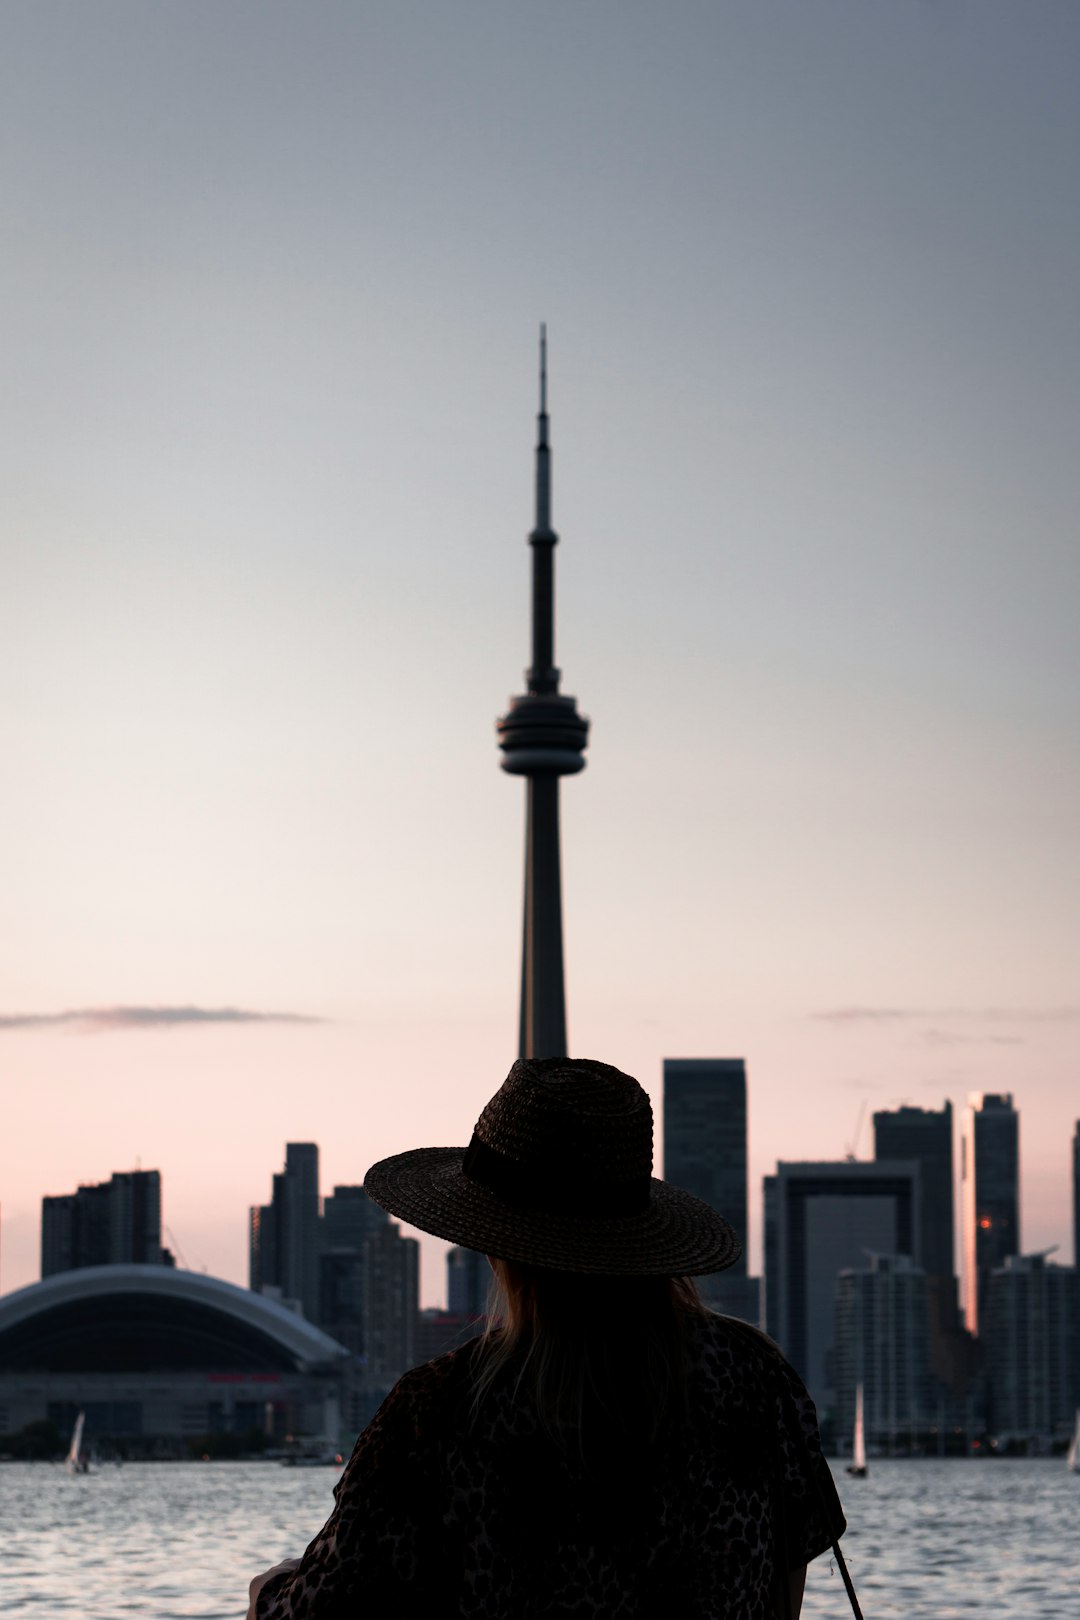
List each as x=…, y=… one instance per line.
x=525, y=1187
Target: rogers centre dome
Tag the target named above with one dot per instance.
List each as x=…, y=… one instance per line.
x=150, y=1351
x=153, y=1318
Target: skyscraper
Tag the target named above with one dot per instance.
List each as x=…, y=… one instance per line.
x=1032, y=1344
x=349, y=1221
x=705, y=1154
x=1076, y=1194
x=106, y=1223
x=925, y=1134
x=542, y=737
x=705, y=1135
x=468, y=1277
x=821, y=1219
x=990, y=1187
x=284, y=1237
x=881, y=1341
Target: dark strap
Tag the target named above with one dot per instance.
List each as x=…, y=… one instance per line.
x=544, y=1188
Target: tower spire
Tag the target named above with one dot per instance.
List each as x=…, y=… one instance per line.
x=543, y=448
x=542, y=737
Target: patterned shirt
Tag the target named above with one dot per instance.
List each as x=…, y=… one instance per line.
x=448, y=1508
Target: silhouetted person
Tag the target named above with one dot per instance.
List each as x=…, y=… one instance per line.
x=609, y=1449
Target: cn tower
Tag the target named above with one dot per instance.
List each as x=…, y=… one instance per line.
x=542, y=737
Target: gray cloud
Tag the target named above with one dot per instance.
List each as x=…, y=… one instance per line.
x=989, y=1015
x=949, y=1037
x=92, y=1020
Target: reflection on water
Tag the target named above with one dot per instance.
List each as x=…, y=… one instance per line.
x=928, y=1540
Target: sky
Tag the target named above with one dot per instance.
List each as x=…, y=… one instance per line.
x=273, y=276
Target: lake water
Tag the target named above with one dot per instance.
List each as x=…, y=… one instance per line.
x=928, y=1540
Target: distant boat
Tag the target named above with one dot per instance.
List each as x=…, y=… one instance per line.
x=1072, y=1456
x=75, y=1462
x=857, y=1465
x=313, y=1454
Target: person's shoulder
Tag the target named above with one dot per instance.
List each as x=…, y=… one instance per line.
x=433, y=1386
x=741, y=1346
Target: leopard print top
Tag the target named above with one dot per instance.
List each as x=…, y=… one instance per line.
x=443, y=1510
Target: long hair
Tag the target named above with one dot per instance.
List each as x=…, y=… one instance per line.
x=601, y=1359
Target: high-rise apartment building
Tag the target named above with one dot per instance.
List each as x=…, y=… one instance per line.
x=822, y=1219
x=284, y=1235
x=1076, y=1195
x=391, y=1292
x=1032, y=1346
x=468, y=1277
x=925, y=1134
x=349, y=1220
x=881, y=1342
x=990, y=1194
x=107, y=1223
x=705, y=1153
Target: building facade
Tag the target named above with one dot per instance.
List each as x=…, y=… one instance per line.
x=391, y=1294
x=115, y=1222
x=990, y=1195
x=468, y=1278
x=881, y=1342
x=926, y=1135
x=1032, y=1347
x=349, y=1220
x=158, y=1359
x=822, y=1219
x=1076, y=1194
x=284, y=1238
x=705, y=1153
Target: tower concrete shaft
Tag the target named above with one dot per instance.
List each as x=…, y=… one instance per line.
x=542, y=737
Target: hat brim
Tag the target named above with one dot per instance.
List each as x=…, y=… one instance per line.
x=676, y=1235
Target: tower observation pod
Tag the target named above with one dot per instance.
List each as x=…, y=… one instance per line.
x=542, y=737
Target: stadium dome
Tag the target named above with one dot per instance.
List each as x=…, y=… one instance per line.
x=155, y=1319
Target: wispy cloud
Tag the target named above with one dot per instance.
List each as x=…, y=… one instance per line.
x=949, y=1037
x=96, y=1020
x=989, y=1015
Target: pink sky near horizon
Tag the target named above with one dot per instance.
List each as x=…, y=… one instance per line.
x=217, y=1153
x=812, y=283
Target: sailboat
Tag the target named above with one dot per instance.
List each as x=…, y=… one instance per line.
x=1072, y=1456
x=75, y=1461
x=857, y=1465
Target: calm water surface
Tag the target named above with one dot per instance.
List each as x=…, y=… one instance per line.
x=928, y=1540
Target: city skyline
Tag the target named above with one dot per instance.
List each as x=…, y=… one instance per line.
x=275, y=286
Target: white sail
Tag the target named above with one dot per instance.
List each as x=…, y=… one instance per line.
x=1072, y=1456
x=858, y=1445
x=76, y=1463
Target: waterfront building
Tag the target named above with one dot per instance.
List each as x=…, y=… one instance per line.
x=440, y=1331
x=111, y=1222
x=158, y=1359
x=990, y=1194
x=881, y=1342
x=542, y=737
x=468, y=1278
x=925, y=1134
x=705, y=1153
x=349, y=1220
x=284, y=1235
x=391, y=1299
x=1032, y=1347
x=821, y=1219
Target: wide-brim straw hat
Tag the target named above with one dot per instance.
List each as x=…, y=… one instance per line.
x=559, y=1174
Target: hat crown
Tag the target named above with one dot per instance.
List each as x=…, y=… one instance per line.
x=572, y=1117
